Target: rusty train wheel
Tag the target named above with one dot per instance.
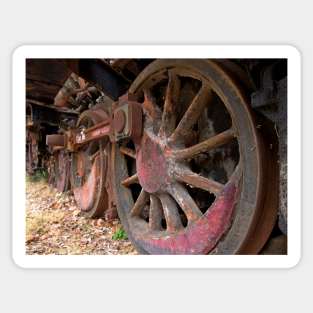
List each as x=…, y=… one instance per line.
x=89, y=169
x=62, y=171
x=196, y=182
x=31, y=152
x=59, y=171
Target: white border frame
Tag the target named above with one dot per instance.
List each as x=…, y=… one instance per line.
x=152, y=261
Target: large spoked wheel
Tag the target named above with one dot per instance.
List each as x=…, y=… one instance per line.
x=89, y=169
x=196, y=181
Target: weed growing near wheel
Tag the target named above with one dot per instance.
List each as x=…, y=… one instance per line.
x=39, y=175
x=120, y=234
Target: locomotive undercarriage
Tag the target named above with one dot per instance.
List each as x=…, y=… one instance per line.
x=189, y=154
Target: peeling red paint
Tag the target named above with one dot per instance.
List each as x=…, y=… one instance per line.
x=151, y=165
x=85, y=194
x=202, y=236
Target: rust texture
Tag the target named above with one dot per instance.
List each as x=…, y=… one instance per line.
x=202, y=236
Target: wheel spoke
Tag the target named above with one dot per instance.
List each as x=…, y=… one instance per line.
x=173, y=221
x=140, y=203
x=129, y=152
x=155, y=214
x=192, y=114
x=188, y=205
x=150, y=106
x=205, y=145
x=130, y=180
x=198, y=181
x=169, y=117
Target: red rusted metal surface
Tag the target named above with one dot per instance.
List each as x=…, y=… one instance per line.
x=85, y=194
x=58, y=170
x=202, y=236
x=127, y=119
x=119, y=121
x=58, y=140
x=62, y=182
x=100, y=130
x=75, y=87
x=152, y=166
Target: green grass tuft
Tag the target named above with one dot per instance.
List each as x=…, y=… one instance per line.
x=120, y=234
x=39, y=175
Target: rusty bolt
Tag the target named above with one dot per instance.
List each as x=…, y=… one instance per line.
x=119, y=121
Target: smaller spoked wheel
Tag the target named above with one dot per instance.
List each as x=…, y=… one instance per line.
x=61, y=170
x=31, y=152
x=89, y=167
x=194, y=184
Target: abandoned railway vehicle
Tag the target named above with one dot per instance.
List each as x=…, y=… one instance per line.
x=190, y=154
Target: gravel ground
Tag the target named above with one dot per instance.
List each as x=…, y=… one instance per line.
x=54, y=225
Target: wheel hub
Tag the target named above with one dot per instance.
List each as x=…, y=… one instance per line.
x=153, y=166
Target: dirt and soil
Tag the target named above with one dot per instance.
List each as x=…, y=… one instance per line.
x=54, y=225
